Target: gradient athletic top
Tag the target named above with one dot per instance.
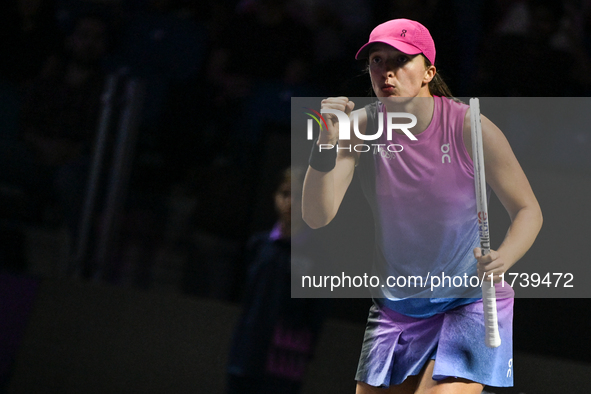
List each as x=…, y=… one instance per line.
x=424, y=209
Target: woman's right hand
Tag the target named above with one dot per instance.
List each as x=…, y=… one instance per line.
x=343, y=104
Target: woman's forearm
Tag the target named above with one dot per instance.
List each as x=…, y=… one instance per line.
x=521, y=234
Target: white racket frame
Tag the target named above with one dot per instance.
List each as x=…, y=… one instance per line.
x=489, y=302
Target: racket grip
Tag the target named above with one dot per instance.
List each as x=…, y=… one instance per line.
x=491, y=326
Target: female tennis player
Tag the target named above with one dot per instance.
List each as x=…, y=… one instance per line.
x=424, y=206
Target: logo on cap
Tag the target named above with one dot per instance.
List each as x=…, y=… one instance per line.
x=394, y=32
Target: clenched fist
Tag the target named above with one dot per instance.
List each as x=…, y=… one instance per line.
x=343, y=104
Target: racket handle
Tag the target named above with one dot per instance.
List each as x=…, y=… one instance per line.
x=491, y=326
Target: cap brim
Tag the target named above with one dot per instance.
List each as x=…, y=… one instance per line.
x=403, y=47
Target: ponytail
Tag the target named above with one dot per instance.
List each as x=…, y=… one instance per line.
x=438, y=87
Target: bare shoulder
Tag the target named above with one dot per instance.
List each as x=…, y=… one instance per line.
x=467, y=132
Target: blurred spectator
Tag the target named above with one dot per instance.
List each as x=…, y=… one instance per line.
x=164, y=45
x=266, y=52
x=30, y=34
x=336, y=39
x=530, y=54
x=276, y=334
x=59, y=116
x=161, y=44
x=262, y=30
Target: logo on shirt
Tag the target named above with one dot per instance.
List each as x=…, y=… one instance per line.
x=446, y=158
x=387, y=151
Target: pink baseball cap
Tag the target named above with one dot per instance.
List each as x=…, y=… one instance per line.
x=407, y=36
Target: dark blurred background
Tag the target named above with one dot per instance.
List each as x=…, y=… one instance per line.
x=141, y=142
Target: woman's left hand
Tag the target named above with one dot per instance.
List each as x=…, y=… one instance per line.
x=490, y=264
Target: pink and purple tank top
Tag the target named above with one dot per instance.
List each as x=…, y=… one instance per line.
x=424, y=209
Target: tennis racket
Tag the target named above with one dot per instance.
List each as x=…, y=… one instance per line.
x=489, y=302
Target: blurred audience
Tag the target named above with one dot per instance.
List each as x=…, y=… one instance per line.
x=256, y=54
x=164, y=44
x=259, y=44
x=219, y=78
x=30, y=35
x=59, y=115
x=534, y=51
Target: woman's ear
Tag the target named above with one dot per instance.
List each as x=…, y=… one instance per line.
x=429, y=74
